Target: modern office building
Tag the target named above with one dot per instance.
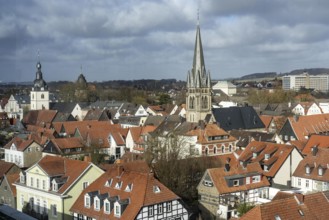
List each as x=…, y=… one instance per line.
x=304, y=80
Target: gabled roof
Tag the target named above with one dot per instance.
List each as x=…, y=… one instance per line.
x=96, y=114
x=237, y=118
x=5, y=167
x=245, y=137
x=219, y=176
x=67, y=143
x=305, y=126
x=20, y=144
x=141, y=193
x=278, y=155
x=304, y=207
x=64, y=107
x=42, y=118
x=62, y=167
x=315, y=160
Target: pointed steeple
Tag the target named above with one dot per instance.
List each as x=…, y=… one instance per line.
x=198, y=59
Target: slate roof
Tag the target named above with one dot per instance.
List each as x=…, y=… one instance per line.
x=22, y=99
x=278, y=155
x=245, y=137
x=106, y=104
x=155, y=120
x=237, y=118
x=65, y=107
x=97, y=114
x=219, y=175
x=141, y=194
x=306, y=207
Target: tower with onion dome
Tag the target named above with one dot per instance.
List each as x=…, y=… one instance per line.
x=39, y=94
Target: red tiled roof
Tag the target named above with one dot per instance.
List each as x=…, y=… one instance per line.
x=314, y=162
x=20, y=144
x=11, y=178
x=278, y=155
x=266, y=119
x=64, y=167
x=321, y=141
x=308, y=125
x=142, y=193
x=307, y=207
x=5, y=167
x=218, y=177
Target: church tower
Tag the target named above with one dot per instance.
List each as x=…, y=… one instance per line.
x=39, y=94
x=198, y=96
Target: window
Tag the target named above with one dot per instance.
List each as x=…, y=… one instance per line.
x=31, y=181
x=320, y=171
x=85, y=184
x=42, y=96
x=150, y=211
x=38, y=206
x=248, y=180
x=22, y=200
x=80, y=217
x=107, y=207
x=38, y=185
x=87, y=201
x=299, y=182
x=307, y=184
x=54, y=210
x=117, y=210
x=267, y=156
x=97, y=205
x=45, y=209
x=266, y=168
x=235, y=182
x=169, y=206
x=256, y=179
x=324, y=186
x=160, y=208
x=43, y=184
x=223, y=149
x=307, y=169
x=55, y=187
x=254, y=155
x=22, y=178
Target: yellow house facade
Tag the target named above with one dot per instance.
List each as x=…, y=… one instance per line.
x=50, y=187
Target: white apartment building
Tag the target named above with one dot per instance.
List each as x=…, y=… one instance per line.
x=295, y=82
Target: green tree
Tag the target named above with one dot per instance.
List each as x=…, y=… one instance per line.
x=243, y=208
x=164, y=99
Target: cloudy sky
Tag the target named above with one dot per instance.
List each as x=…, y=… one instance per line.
x=144, y=39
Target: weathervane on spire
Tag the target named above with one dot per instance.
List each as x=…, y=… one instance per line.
x=38, y=54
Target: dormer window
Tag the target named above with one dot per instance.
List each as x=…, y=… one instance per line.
x=208, y=183
x=118, y=185
x=129, y=187
x=254, y=155
x=307, y=169
x=320, y=171
x=55, y=187
x=96, y=203
x=87, y=201
x=267, y=156
x=22, y=178
x=108, y=183
x=107, y=206
x=235, y=182
x=156, y=189
x=117, y=209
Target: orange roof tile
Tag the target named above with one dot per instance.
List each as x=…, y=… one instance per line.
x=307, y=207
x=278, y=154
x=321, y=141
x=141, y=194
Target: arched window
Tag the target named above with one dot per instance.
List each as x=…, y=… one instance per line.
x=215, y=150
x=230, y=148
x=206, y=151
x=42, y=96
x=223, y=149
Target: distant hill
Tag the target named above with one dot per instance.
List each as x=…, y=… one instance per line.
x=311, y=71
x=259, y=75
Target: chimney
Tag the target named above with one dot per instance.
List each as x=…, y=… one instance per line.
x=120, y=169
